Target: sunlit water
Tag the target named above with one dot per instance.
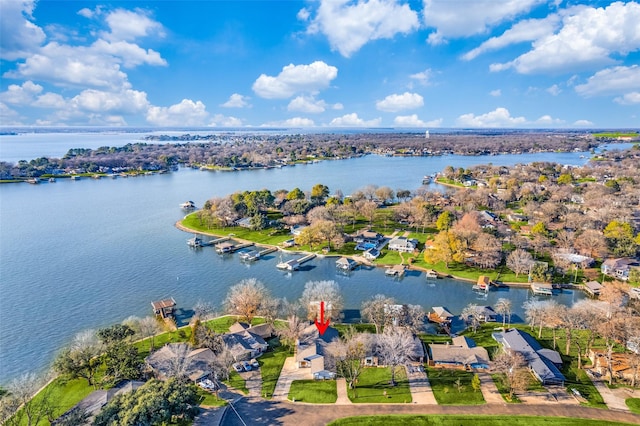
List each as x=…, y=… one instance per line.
x=89, y=253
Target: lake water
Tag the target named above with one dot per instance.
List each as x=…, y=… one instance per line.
x=89, y=253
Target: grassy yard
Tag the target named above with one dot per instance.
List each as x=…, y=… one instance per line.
x=500, y=380
x=445, y=388
x=265, y=236
x=270, y=366
x=374, y=382
x=314, y=391
x=210, y=399
x=467, y=272
x=633, y=404
x=454, y=420
x=237, y=382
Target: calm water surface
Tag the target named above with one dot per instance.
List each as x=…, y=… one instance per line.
x=89, y=253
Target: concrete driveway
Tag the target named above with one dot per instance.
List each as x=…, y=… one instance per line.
x=289, y=373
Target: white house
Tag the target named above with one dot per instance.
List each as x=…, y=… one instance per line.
x=403, y=244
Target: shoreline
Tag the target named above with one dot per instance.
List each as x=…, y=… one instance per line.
x=357, y=258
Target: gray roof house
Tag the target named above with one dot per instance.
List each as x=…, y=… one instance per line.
x=402, y=244
x=310, y=348
x=461, y=353
x=245, y=344
x=198, y=363
x=620, y=267
x=543, y=362
x=263, y=330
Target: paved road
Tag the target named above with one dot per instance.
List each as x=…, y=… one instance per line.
x=259, y=412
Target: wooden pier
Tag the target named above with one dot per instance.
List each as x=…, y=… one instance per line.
x=294, y=264
x=268, y=250
x=543, y=289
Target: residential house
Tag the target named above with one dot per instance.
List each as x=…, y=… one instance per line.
x=619, y=268
x=461, y=353
x=542, y=362
x=297, y=229
x=265, y=331
x=368, y=236
x=576, y=259
x=311, y=347
x=245, y=344
x=371, y=254
x=244, y=222
x=403, y=244
x=198, y=362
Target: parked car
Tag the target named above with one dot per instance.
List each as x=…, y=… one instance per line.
x=246, y=365
x=238, y=367
x=254, y=364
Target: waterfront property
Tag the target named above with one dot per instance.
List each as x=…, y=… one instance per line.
x=440, y=315
x=346, y=264
x=542, y=289
x=265, y=330
x=311, y=347
x=620, y=267
x=622, y=365
x=395, y=271
x=197, y=363
x=403, y=244
x=593, y=288
x=461, y=353
x=543, y=363
x=244, y=344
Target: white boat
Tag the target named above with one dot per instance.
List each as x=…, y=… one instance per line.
x=188, y=205
x=426, y=179
x=195, y=242
x=250, y=255
x=431, y=274
x=52, y=179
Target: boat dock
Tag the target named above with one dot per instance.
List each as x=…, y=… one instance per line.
x=268, y=250
x=197, y=242
x=395, y=271
x=227, y=247
x=544, y=289
x=294, y=264
x=431, y=274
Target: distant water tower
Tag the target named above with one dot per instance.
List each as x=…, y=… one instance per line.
x=426, y=134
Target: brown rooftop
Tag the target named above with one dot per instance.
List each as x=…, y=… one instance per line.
x=161, y=304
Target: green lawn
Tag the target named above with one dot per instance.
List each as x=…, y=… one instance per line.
x=445, y=389
x=455, y=420
x=210, y=399
x=633, y=404
x=270, y=366
x=464, y=271
x=266, y=236
x=374, y=382
x=315, y=391
x=237, y=382
x=499, y=380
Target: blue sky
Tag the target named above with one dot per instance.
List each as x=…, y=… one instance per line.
x=329, y=63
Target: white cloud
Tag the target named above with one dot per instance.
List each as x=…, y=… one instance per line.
x=225, y=121
x=352, y=120
x=395, y=102
x=337, y=106
x=500, y=117
x=588, y=37
x=186, y=113
x=495, y=93
x=21, y=95
x=554, y=90
x=350, y=25
x=611, y=81
x=291, y=122
x=86, y=12
x=528, y=30
x=303, y=14
x=423, y=77
x=413, y=121
x=583, y=123
x=97, y=101
x=130, y=54
x=461, y=18
x=50, y=100
x=307, y=104
x=295, y=79
x=629, y=98
x=8, y=116
x=547, y=120
x=236, y=100
x=19, y=37
x=130, y=25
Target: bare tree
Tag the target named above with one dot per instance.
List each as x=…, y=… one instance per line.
x=291, y=332
x=347, y=354
x=519, y=261
x=367, y=209
x=471, y=316
x=504, y=309
x=592, y=243
x=513, y=365
x=145, y=328
x=246, y=298
x=177, y=363
x=322, y=291
x=203, y=310
x=394, y=346
x=377, y=310
x=20, y=407
x=488, y=251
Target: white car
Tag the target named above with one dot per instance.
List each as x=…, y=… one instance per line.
x=254, y=364
x=238, y=367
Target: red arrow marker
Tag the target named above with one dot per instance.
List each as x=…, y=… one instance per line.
x=322, y=326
